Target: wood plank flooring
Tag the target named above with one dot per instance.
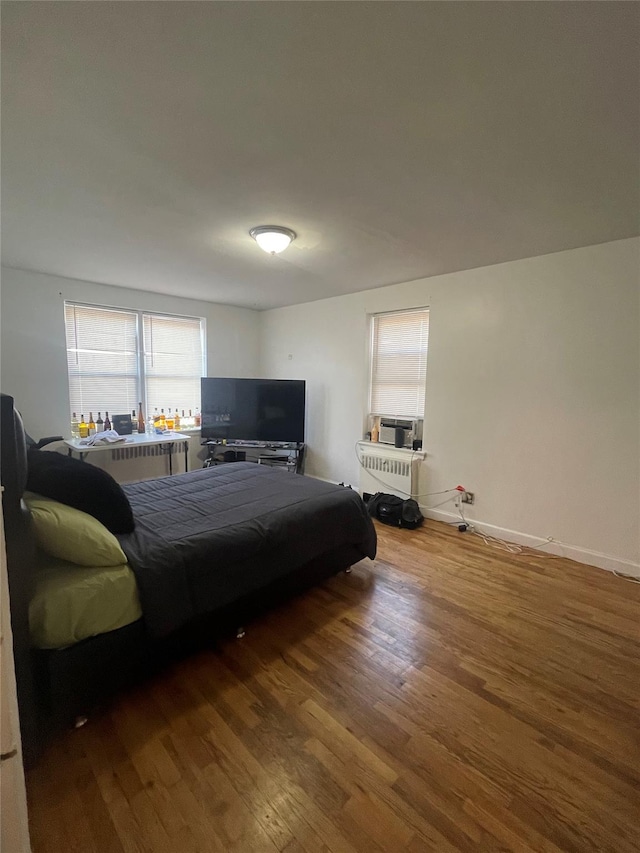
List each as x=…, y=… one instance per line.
x=447, y=697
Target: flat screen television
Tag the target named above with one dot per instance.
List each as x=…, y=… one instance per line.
x=269, y=410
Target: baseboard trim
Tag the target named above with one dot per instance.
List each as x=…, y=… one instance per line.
x=572, y=552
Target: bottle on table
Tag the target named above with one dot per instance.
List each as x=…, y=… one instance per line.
x=190, y=421
x=162, y=422
x=375, y=431
x=75, y=426
x=107, y=422
x=170, y=421
x=141, y=423
x=83, y=427
x=134, y=422
x=92, y=424
x=197, y=419
x=99, y=423
x=176, y=421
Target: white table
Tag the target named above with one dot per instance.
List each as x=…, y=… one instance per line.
x=75, y=445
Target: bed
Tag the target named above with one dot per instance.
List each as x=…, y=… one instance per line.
x=209, y=549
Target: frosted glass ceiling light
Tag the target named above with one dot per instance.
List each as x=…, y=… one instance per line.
x=272, y=238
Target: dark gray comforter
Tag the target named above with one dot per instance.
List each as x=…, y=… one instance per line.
x=204, y=539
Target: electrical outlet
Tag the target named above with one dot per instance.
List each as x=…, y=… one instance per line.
x=468, y=497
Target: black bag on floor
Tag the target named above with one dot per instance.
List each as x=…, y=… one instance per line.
x=393, y=510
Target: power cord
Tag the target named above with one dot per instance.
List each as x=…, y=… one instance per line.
x=492, y=541
x=629, y=578
x=392, y=486
x=526, y=550
x=503, y=545
x=488, y=539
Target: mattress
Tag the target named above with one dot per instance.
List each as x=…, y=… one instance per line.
x=207, y=538
x=72, y=603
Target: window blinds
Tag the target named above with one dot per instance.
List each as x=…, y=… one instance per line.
x=399, y=363
x=102, y=359
x=118, y=358
x=173, y=361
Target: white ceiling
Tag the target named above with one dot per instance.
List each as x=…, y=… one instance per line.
x=142, y=140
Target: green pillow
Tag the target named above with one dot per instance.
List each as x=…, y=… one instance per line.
x=69, y=534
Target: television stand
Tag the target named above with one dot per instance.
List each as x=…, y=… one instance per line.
x=280, y=454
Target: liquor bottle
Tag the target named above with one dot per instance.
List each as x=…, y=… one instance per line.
x=197, y=419
x=99, y=423
x=170, y=421
x=190, y=421
x=156, y=419
x=176, y=421
x=134, y=422
x=375, y=430
x=75, y=429
x=107, y=422
x=163, y=420
x=92, y=424
x=83, y=427
x=141, y=423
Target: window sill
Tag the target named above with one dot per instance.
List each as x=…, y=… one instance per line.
x=390, y=448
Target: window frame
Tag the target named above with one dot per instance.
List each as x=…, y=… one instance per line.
x=371, y=415
x=139, y=313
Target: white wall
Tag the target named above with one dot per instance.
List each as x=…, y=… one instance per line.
x=33, y=346
x=533, y=391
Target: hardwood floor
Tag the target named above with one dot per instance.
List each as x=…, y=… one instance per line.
x=448, y=697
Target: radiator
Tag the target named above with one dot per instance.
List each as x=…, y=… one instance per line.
x=122, y=453
x=386, y=469
x=128, y=464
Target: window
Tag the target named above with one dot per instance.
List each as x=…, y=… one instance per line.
x=117, y=358
x=172, y=361
x=399, y=363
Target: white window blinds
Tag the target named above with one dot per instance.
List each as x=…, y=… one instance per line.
x=118, y=358
x=102, y=359
x=399, y=363
x=173, y=362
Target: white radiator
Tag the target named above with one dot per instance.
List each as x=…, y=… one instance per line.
x=387, y=469
x=127, y=463
x=125, y=453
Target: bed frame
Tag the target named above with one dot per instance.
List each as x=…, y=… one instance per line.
x=59, y=686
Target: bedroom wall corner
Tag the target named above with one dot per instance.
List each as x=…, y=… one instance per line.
x=533, y=391
x=33, y=361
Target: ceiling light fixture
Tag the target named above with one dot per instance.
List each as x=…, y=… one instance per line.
x=272, y=238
